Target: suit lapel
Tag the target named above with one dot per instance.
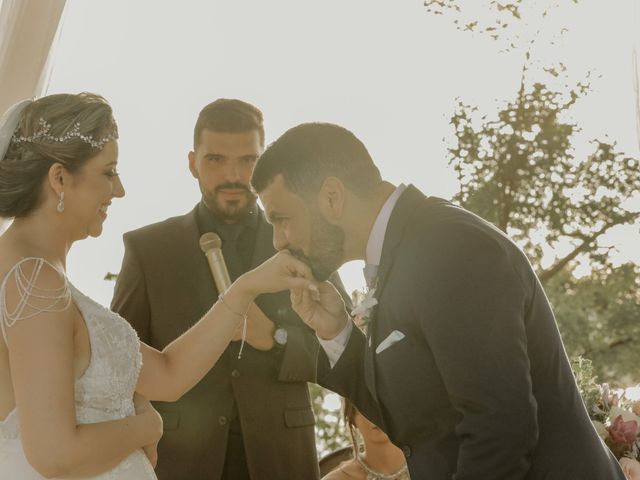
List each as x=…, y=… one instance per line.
x=406, y=206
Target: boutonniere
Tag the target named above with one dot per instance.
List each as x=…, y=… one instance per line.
x=365, y=303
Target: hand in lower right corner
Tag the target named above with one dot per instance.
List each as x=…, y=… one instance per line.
x=631, y=468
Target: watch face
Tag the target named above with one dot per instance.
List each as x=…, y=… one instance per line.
x=280, y=336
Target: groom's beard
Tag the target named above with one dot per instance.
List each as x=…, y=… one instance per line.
x=326, y=248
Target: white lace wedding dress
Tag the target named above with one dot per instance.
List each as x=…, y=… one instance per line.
x=104, y=392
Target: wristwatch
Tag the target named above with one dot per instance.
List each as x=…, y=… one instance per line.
x=280, y=336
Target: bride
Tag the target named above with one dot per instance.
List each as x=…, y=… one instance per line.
x=75, y=381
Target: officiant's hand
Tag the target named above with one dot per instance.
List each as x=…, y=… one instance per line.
x=322, y=308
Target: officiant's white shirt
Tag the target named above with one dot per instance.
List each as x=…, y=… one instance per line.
x=336, y=345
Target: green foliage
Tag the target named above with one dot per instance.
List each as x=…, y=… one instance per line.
x=331, y=433
x=590, y=389
x=599, y=316
x=611, y=410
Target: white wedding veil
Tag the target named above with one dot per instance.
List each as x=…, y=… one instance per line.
x=27, y=32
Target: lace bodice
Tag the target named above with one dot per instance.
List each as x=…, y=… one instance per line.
x=106, y=388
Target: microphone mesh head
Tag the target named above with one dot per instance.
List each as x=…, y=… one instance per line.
x=209, y=241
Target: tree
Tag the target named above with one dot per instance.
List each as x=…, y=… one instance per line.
x=514, y=25
x=599, y=316
x=520, y=172
x=520, y=168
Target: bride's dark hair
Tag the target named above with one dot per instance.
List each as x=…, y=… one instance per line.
x=349, y=412
x=26, y=163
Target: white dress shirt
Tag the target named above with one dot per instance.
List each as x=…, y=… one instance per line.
x=336, y=345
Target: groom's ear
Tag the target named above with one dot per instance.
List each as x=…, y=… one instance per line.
x=331, y=198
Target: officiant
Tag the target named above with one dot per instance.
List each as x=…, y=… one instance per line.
x=250, y=417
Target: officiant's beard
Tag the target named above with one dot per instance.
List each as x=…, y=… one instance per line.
x=230, y=211
x=326, y=248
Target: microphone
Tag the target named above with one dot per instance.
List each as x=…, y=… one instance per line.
x=210, y=244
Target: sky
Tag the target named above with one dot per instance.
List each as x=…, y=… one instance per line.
x=388, y=71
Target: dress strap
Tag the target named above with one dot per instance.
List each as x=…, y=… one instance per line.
x=32, y=298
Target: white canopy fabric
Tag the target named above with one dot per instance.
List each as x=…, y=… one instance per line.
x=27, y=32
x=636, y=66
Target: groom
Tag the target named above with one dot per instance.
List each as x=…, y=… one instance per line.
x=462, y=364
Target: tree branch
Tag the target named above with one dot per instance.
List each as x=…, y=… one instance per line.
x=560, y=264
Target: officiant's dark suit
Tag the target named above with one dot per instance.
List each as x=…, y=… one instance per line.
x=164, y=287
x=248, y=418
x=480, y=387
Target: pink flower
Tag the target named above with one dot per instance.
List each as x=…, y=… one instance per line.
x=613, y=399
x=623, y=433
x=631, y=468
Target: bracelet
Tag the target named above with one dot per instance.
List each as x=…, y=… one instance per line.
x=244, y=321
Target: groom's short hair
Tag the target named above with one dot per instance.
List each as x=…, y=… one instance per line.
x=307, y=154
x=228, y=116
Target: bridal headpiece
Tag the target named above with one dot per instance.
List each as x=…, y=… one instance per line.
x=10, y=120
x=43, y=134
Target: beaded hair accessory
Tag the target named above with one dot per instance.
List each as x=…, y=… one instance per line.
x=43, y=134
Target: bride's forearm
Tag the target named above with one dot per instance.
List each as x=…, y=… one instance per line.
x=94, y=448
x=169, y=374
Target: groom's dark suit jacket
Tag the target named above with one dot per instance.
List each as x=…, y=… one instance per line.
x=164, y=287
x=480, y=387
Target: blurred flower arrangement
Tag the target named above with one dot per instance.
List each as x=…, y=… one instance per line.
x=615, y=416
x=364, y=304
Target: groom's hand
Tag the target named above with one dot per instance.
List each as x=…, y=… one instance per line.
x=322, y=308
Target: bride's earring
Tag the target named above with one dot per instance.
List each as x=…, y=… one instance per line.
x=60, y=206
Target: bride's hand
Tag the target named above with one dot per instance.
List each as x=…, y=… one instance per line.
x=322, y=308
x=281, y=272
x=144, y=407
x=151, y=451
